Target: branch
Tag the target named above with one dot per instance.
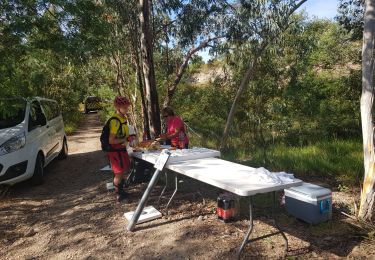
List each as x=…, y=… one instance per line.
x=171, y=88
x=296, y=7
x=165, y=26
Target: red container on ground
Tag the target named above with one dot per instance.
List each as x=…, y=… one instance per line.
x=226, y=207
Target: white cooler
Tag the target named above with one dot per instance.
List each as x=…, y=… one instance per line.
x=309, y=202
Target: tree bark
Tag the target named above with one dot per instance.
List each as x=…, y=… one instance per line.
x=119, y=75
x=245, y=80
x=366, y=209
x=151, y=96
x=146, y=125
x=136, y=46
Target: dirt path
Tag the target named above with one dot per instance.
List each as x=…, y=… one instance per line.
x=72, y=216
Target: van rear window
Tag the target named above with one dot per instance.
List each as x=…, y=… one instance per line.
x=12, y=112
x=51, y=109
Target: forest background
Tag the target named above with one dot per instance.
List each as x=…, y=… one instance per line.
x=298, y=113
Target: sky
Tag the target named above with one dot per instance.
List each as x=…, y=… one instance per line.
x=324, y=9
x=321, y=8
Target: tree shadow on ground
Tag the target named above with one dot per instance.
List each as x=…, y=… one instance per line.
x=74, y=202
x=68, y=198
x=337, y=236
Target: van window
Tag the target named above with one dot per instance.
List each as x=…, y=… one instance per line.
x=34, y=116
x=51, y=109
x=55, y=108
x=12, y=112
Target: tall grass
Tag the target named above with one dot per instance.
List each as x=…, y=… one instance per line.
x=340, y=160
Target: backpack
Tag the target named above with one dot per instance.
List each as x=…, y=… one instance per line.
x=104, y=137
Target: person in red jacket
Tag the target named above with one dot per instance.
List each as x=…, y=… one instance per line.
x=176, y=131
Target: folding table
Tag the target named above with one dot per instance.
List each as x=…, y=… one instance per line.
x=236, y=178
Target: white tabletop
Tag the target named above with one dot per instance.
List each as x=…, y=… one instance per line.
x=178, y=155
x=237, y=178
x=229, y=176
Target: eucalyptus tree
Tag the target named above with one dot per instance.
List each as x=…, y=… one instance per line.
x=145, y=16
x=48, y=42
x=350, y=17
x=358, y=17
x=17, y=19
x=367, y=204
x=257, y=23
x=189, y=26
x=186, y=26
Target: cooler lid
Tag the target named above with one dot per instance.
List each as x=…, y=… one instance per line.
x=311, y=190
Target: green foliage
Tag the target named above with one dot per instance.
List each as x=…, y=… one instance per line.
x=196, y=64
x=340, y=160
x=350, y=17
x=326, y=108
x=204, y=117
x=72, y=121
x=304, y=90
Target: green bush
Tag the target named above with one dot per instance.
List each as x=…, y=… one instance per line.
x=340, y=160
x=71, y=121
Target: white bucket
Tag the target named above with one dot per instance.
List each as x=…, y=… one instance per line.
x=110, y=186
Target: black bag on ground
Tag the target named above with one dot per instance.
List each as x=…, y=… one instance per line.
x=104, y=137
x=141, y=172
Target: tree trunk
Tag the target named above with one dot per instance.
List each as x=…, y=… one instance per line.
x=119, y=76
x=151, y=96
x=245, y=80
x=146, y=125
x=366, y=209
x=140, y=78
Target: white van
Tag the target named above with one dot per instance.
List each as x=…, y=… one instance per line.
x=31, y=136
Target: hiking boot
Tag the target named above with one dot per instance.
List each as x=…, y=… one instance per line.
x=120, y=190
x=120, y=197
x=124, y=193
x=123, y=184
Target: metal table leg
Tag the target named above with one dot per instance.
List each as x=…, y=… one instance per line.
x=174, y=193
x=131, y=174
x=275, y=222
x=246, y=238
x=177, y=180
x=143, y=201
x=162, y=192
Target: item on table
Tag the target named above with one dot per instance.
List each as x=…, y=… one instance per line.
x=148, y=145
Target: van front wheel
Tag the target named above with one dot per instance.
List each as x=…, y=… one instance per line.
x=37, y=178
x=64, y=150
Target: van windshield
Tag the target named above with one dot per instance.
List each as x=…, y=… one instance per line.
x=93, y=99
x=12, y=112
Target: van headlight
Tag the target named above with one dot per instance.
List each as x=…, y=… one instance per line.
x=13, y=144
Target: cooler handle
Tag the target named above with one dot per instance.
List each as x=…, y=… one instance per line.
x=324, y=206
